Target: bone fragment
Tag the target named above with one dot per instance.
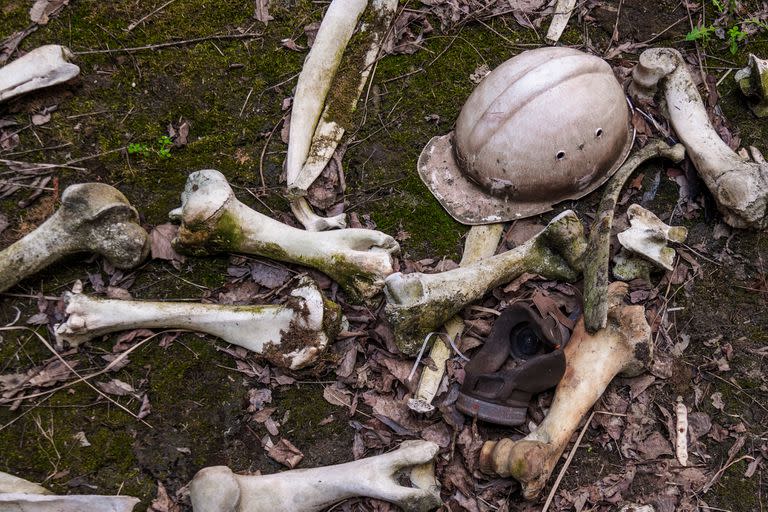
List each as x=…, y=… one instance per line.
x=292, y=335
x=313, y=222
x=648, y=236
x=93, y=217
x=753, y=82
x=681, y=432
x=213, y=220
x=42, y=67
x=740, y=186
x=596, y=269
x=218, y=489
x=418, y=304
x=623, y=347
x=481, y=243
x=19, y=495
x=563, y=11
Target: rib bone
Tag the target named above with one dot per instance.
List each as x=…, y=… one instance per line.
x=291, y=335
x=218, y=489
x=740, y=186
x=212, y=219
x=418, y=304
x=93, y=217
x=42, y=67
x=648, y=236
x=593, y=360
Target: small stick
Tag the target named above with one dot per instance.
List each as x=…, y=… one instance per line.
x=249, y=35
x=135, y=24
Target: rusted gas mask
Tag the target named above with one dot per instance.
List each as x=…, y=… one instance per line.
x=522, y=356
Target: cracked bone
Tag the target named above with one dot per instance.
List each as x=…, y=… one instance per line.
x=19, y=495
x=218, y=489
x=481, y=243
x=753, y=82
x=740, y=186
x=648, y=236
x=213, y=220
x=317, y=125
x=292, y=335
x=592, y=360
x=93, y=217
x=42, y=67
x=418, y=304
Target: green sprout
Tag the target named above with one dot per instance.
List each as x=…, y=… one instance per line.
x=163, y=149
x=700, y=33
x=164, y=146
x=136, y=148
x=735, y=36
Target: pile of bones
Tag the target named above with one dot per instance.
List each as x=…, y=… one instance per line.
x=611, y=338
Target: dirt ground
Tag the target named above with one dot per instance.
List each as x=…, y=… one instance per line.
x=228, y=78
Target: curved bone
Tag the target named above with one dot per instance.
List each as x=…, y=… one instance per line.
x=314, y=222
x=740, y=187
x=291, y=335
x=42, y=67
x=592, y=360
x=212, y=219
x=19, y=495
x=596, y=270
x=648, y=236
x=420, y=303
x=93, y=217
x=218, y=489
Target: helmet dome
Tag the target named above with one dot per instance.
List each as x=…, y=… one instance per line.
x=548, y=125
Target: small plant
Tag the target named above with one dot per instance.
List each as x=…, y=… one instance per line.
x=700, y=33
x=163, y=150
x=735, y=36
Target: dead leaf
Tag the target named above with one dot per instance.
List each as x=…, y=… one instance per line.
x=81, y=439
x=261, y=11
x=268, y=275
x=163, y=502
x=654, y=446
x=311, y=32
x=717, y=400
x=160, y=239
x=116, y=387
x=337, y=395
x=285, y=453
x=115, y=292
x=38, y=319
x=146, y=407
x=42, y=10
x=257, y=398
x=291, y=45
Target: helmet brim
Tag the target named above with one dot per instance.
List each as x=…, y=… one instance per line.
x=471, y=204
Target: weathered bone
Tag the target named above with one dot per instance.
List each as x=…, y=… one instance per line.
x=218, y=489
x=420, y=303
x=212, y=220
x=93, y=217
x=481, y=243
x=313, y=222
x=563, y=11
x=648, y=236
x=740, y=186
x=623, y=347
x=291, y=335
x=42, y=67
x=19, y=495
x=753, y=82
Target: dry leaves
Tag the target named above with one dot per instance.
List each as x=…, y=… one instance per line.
x=43, y=10
x=285, y=453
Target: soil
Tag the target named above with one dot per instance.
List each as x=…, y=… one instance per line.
x=231, y=91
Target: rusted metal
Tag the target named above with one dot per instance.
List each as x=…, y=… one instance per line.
x=522, y=356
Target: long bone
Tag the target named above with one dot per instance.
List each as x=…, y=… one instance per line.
x=418, y=304
x=218, y=489
x=19, y=495
x=42, y=67
x=740, y=186
x=592, y=360
x=93, y=217
x=212, y=220
x=318, y=124
x=291, y=335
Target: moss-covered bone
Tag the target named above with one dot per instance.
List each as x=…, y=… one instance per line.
x=418, y=304
x=93, y=217
x=218, y=489
x=291, y=335
x=213, y=220
x=623, y=347
x=740, y=186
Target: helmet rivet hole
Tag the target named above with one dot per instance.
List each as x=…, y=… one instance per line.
x=599, y=133
x=560, y=155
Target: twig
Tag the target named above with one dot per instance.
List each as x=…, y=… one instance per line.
x=40, y=166
x=264, y=151
x=250, y=91
x=137, y=23
x=47, y=148
x=567, y=463
x=157, y=46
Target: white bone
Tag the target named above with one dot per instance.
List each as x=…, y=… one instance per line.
x=312, y=221
x=218, y=489
x=291, y=335
x=481, y=243
x=418, y=304
x=212, y=219
x=42, y=67
x=19, y=495
x=753, y=82
x=681, y=432
x=740, y=186
x=93, y=217
x=563, y=11
x=648, y=236
x=623, y=347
